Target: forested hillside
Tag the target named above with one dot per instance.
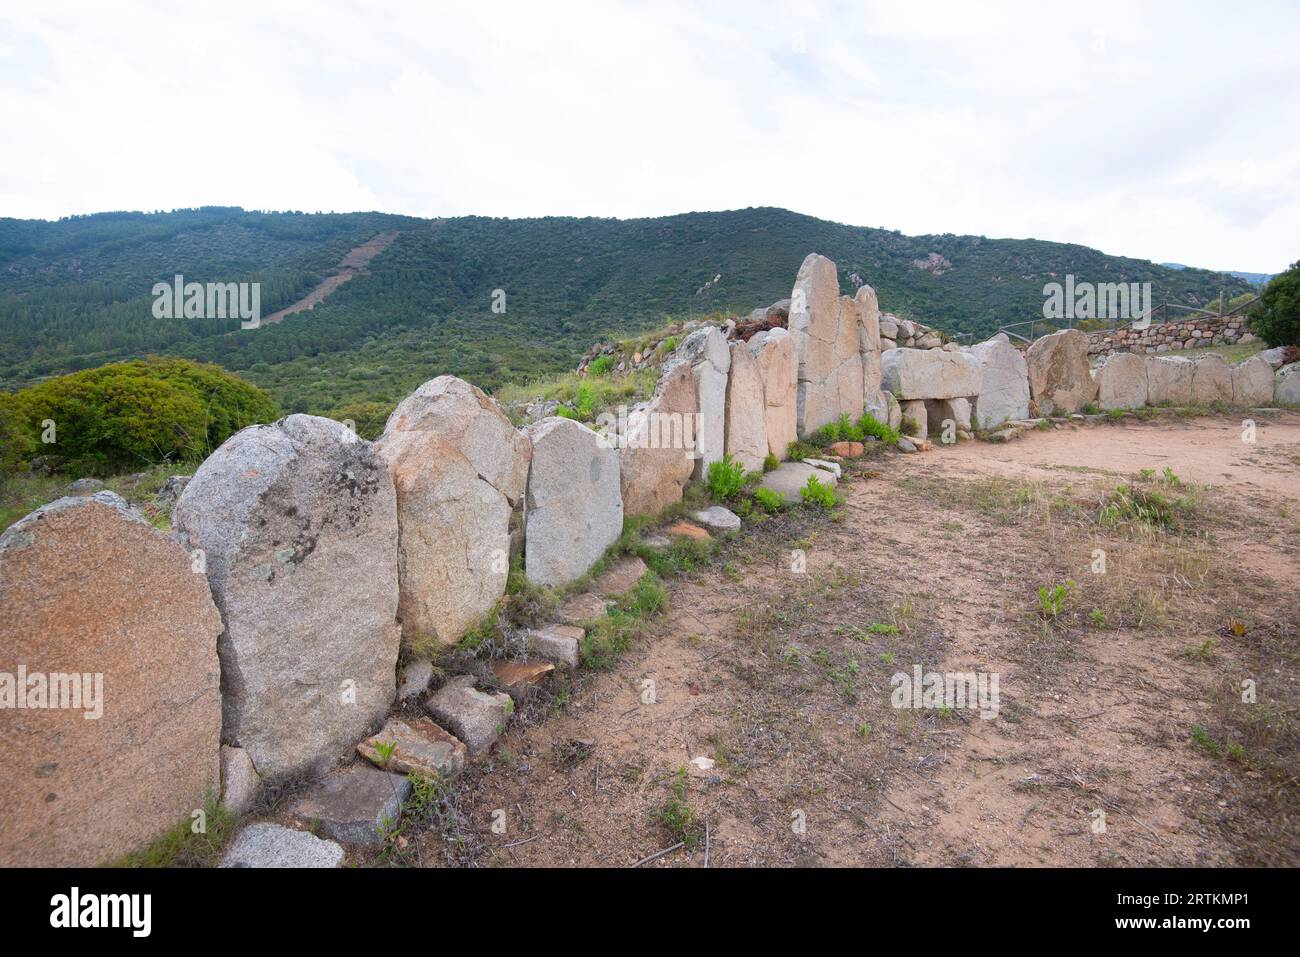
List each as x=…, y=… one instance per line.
x=76, y=293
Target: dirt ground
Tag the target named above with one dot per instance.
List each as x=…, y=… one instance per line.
x=755, y=724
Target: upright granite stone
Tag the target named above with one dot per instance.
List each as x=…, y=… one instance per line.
x=1286, y=385
x=746, y=434
x=1211, y=380
x=459, y=468
x=931, y=374
x=1122, y=381
x=657, y=454
x=574, y=509
x=1060, y=380
x=1252, y=382
x=1004, y=383
x=873, y=396
x=110, y=701
x=297, y=524
x=706, y=352
x=828, y=337
x=1169, y=380
x=773, y=350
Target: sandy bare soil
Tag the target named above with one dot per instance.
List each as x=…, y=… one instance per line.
x=756, y=722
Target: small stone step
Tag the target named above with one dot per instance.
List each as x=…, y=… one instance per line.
x=561, y=644
x=620, y=576
x=354, y=804
x=718, y=518
x=270, y=845
x=476, y=717
x=420, y=746
x=518, y=675
x=582, y=608
x=789, y=478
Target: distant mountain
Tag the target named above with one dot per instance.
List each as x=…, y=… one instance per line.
x=77, y=292
x=1254, y=278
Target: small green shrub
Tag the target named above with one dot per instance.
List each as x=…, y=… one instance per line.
x=601, y=365
x=870, y=425
x=771, y=463
x=768, y=500
x=726, y=478
x=1051, y=601
x=816, y=493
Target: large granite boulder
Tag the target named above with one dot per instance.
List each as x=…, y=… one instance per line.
x=1211, y=380
x=1004, y=383
x=657, y=454
x=1169, y=380
x=109, y=684
x=773, y=350
x=746, y=434
x=573, y=510
x=459, y=468
x=1122, y=381
x=297, y=525
x=1252, y=382
x=931, y=374
x=828, y=338
x=1060, y=380
x=707, y=354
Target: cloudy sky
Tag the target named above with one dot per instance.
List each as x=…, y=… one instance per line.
x=1163, y=131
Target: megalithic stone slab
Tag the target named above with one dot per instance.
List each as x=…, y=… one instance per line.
x=297, y=524
x=574, y=507
x=111, y=724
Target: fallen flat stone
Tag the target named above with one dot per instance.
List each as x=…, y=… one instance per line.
x=826, y=465
x=239, y=780
x=355, y=805
x=559, y=643
x=684, y=529
x=582, y=608
x=476, y=717
x=789, y=478
x=517, y=676
x=270, y=845
x=419, y=746
x=620, y=576
x=108, y=605
x=718, y=518
x=905, y=444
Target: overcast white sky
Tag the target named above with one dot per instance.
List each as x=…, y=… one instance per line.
x=1165, y=131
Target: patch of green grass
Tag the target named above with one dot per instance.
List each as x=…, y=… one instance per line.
x=677, y=816
x=611, y=635
x=183, y=846
x=769, y=500
x=870, y=425
x=798, y=451
x=600, y=365
x=1204, y=652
